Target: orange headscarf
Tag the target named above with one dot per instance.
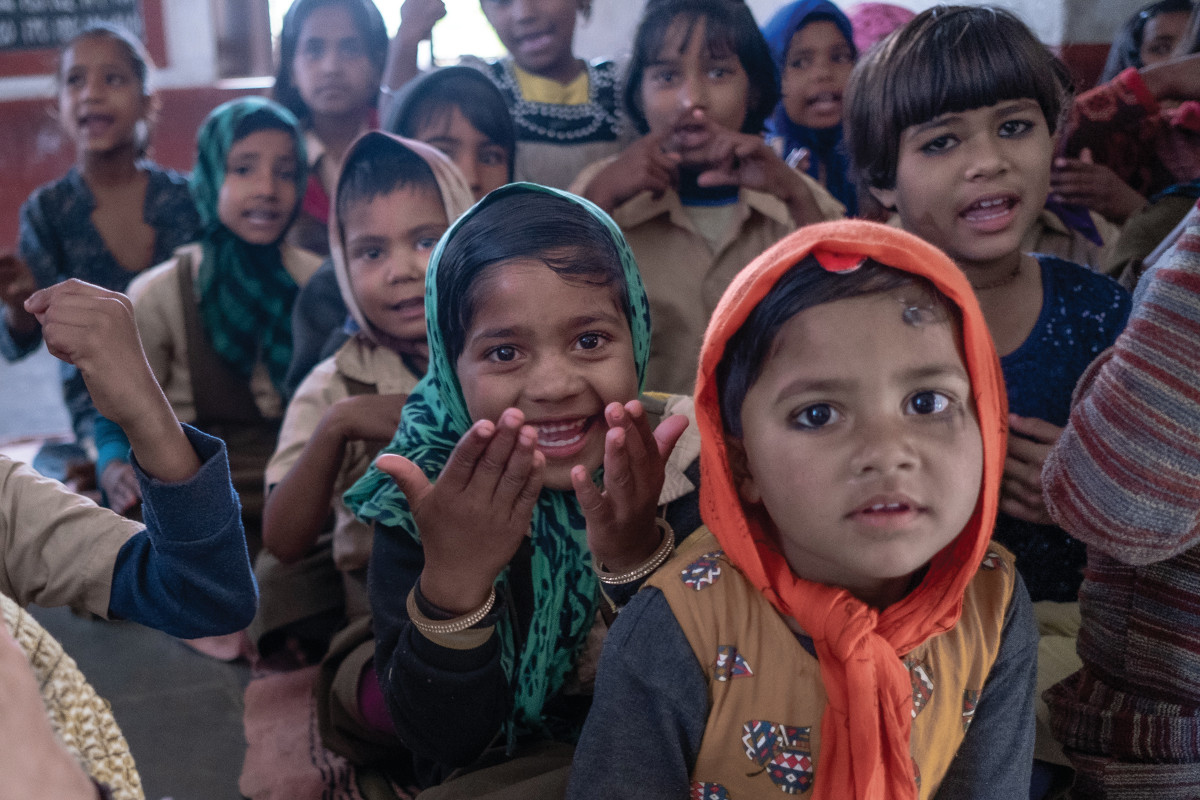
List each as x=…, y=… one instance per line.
x=867, y=723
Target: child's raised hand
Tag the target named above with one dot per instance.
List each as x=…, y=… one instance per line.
x=1021, y=490
x=1080, y=181
x=417, y=18
x=472, y=520
x=367, y=417
x=645, y=165
x=744, y=159
x=620, y=519
x=120, y=486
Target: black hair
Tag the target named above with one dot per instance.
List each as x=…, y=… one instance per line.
x=377, y=166
x=511, y=226
x=1191, y=40
x=261, y=119
x=947, y=59
x=139, y=60
x=367, y=20
x=805, y=285
x=728, y=27
x=1126, y=50
x=426, y=99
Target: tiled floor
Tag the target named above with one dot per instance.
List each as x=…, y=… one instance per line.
x=180, y=711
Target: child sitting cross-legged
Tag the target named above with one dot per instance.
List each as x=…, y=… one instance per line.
x=843, y=624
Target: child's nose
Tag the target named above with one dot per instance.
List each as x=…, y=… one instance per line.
x=883, y=447
x=523, y=9
x=693, y=92
x=468, y=165
x=986, y=157
x=554, y=379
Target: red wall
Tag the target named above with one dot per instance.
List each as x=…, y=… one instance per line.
x=34, y=150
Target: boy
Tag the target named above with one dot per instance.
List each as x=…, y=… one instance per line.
x=839, y=633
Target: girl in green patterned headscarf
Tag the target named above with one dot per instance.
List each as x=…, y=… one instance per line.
x=543, y=462
x=245, y=293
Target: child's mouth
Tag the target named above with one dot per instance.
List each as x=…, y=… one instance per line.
x=563, y=438
x=888, y=513
x=825, y=103
x=412, y=307
x=94, y=124
x=989, y=214
x=535, y=42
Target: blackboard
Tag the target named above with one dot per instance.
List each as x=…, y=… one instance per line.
x=47, y=24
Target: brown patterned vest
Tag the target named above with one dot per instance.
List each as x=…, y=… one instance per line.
x=766, y=697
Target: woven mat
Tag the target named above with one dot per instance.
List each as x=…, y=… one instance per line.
x=285, y=759
x=82, y=720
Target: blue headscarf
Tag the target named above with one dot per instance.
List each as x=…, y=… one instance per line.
x=824, y=144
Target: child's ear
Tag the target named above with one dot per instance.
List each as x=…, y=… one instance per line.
x=742, y=478
x=886, y=197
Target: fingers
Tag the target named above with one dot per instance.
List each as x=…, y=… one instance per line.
x=517, y=469
x=407, y=475
x=1027, y=476
x=461, y=464
x=1023, y=511
x=597, y=510
x=667, y=434
x=1038, y=430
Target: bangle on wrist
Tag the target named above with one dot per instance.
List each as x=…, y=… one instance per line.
x=431, y=627
x=646, y=567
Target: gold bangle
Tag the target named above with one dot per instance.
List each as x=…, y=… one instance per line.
x=442, y=627
x=645, y=568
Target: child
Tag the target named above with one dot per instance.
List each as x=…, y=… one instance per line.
x=850, y=629
x=950, y=124
x=700, y=194
x=566, y=110
x=482, y=585
x=812, y=44
x=215, y=318
x=1148, y=37
x=331, y=60
x=114, y=214
x=394, y=200
x=1123, y=478
x=458, y=111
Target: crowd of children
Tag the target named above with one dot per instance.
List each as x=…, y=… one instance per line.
x=676, y=484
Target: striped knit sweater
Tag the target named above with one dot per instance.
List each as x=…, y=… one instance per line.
x=1125, y=479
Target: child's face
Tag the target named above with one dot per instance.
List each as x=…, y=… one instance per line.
x=332, y=69
x=538, y=34
x=258, y=197
x=100, y=100
x=560, y=351
x=685, y=76
x=815, y=71
x=973, y=182
x=861, y=443
x=389, y=239
x=1160, y=36
x=481, y=161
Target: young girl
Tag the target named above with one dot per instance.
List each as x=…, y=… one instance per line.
x=114, y=214
x=394, y=200
x=843, y=625
x=1148, y=37
x=331, y=60
x=566, y=110
x=812, y=44
x=458, y=111
x=700, y=194
x=951, y=124
x=538, y=337
x=215, y=318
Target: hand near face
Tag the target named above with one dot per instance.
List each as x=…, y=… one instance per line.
x=1029, y=443
x=417, y=18
x=1080, y=181
x=643, y=166
x=472, y=520
x=368, y=417
x=620, y=517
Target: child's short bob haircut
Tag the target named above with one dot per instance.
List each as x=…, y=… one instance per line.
x=378, y=167
x=946, y=60
x=804, y=286
x=534, y=226
x=729, y=27
x=367, y=20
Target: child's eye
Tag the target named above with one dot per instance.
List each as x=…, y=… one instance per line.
x=1015, y=127
x=368, y=254
x=818, y=415
x=929, y=402
x=842, y=57
x=351, y=48
x=493, y=156
x=801, y=62
x=75, y=79
x=590, y=341
x=503, y=353
x=939, y=145
x=662, y=76
x=313, y=49
x=426, y=243
x=242, y=170
x=719, y=73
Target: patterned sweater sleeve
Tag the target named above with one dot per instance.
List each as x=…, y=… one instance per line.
x=1125, y=474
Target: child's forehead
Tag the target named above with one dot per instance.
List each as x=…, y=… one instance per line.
x=962, y=113
x=400, y=206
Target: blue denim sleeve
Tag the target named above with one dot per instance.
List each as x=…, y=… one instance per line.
x=188, y=572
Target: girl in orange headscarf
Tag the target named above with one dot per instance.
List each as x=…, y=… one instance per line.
x=842, y=623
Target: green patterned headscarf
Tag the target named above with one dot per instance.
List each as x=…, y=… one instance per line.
x=245, y=294
x=435, y=418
